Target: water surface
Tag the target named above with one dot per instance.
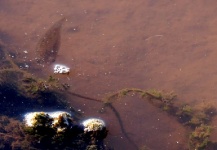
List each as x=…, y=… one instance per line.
x=110, y=45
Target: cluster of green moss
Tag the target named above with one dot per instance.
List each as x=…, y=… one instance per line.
x=199, y=138
x=194, y=117
x=161, y=99
x=34, y=87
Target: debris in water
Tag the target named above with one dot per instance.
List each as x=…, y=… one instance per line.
x=25, y=52
x=61, y=69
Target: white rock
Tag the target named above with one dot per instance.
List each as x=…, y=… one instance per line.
x=93, y=124
x=61, y=69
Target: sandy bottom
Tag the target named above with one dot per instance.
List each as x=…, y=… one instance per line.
x=110, y=45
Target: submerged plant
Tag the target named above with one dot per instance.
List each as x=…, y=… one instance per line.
x=153, y=95
x=199, y=138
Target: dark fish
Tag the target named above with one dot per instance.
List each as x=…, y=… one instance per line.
x=49, y=44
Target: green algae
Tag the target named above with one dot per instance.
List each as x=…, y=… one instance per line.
x=199, y=138
x=153, y=95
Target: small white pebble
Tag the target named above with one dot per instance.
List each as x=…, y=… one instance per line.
x=61, y=69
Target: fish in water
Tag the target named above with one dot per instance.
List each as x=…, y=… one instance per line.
x=49, y=44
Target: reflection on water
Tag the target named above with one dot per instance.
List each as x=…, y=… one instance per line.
x=168, y=45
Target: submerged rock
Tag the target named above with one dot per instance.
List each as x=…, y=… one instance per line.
x=93, y=124
x=95, y=132
x=58, y=129
x=58, y=120
x=32, y=119
x=61, y=120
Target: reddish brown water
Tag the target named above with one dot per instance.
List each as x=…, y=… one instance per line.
x=110, y=45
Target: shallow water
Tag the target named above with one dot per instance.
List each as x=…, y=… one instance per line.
x=110, y=45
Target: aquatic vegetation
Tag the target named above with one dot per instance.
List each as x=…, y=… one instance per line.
x=184, y=113
x=194, y=117
x=187, y=110
x=21, y=91
x=199, y=138
x=12, y=135
x=153, y=95
x=33, y=87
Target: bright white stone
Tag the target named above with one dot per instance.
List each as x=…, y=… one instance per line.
x=93, y=124
x=61, y=69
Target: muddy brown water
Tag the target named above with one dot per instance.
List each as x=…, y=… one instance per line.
x=110, y=45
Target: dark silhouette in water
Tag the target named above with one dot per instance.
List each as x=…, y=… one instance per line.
x=49, y=44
